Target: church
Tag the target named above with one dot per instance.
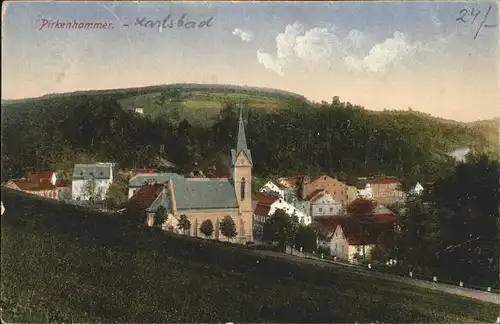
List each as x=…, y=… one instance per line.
x=207, y=198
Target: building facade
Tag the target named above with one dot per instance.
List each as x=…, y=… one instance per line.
x=335, y=188
x=91, y=181
x=213, y=199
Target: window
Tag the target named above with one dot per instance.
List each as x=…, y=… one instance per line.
x=336, y=247
x=324, y=178
x=320, y=209
x=331, y=209
x=242, y=189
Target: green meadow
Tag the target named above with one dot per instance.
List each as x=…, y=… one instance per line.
x=61, y=263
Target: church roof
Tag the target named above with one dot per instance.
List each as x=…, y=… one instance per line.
x=241, y=143
x=204, y=193
x=140, y=179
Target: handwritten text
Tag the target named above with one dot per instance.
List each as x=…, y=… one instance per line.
x=471, y=15
x=169, y=22
x=56, y=24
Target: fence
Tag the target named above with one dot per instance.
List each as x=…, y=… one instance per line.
x=393, y=268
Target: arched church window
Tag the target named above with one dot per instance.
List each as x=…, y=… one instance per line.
x=242, y=189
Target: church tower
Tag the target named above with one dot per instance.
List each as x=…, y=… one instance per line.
x=242, y=169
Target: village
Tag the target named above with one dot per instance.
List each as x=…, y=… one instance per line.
x=348, y=219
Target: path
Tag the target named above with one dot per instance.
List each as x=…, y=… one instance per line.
x=461, y=291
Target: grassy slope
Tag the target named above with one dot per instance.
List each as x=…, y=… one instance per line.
x=62, y=264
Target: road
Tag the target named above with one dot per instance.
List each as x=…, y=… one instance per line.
x=456, y=290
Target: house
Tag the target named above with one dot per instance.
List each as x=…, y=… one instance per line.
x=337, y=189
x=261, y=211
x=129, y=173
x=266, y=204
x=137, y=181
x=352, y=193
x=149, y=198
x=44, y=184
x=63, y=188
x=290, y=210
x=91, y=181
x=201, y=199
x=139, y=111
x=350, y=237
x=323, y=204
x=366, y=192
x=303, y=206
x=274, y=186
x=417, y=189
x=387, y=190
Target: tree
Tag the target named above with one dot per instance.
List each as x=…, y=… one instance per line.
x=281, y=228
x=184, y=224
x=361, y=208
x=384, y=249
x=161, y=216
x=207, y=228
x=117, y=192
x=91, y=191
x=306, y=238
x=228, y=227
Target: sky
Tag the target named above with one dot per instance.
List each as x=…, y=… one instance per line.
x=381, y=55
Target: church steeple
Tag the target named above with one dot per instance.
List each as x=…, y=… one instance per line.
x=242, y=170
x=241, y=143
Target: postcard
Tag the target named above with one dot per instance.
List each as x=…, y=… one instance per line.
x=250, y=162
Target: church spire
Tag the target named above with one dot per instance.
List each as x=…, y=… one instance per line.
x=241, y=143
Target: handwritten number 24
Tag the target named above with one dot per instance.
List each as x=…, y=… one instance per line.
x=472, y=12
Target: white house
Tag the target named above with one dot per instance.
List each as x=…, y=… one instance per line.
x=418, y=189
x=365, y=193
x=346, y=246
x=323, y=204
x=91, y=179
x=290, y=210
x=139, y=110
x=274, y=186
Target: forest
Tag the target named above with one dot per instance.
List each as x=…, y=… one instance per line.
x=452, y=230
x=338, y=138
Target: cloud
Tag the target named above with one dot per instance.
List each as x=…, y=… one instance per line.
x=382, y=55
x=270, y=62
x=245, y=35
x=323, y=45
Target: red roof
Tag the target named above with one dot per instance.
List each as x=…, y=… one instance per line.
x=291, y=181
x=63, y=183
x=263, y=198
x=385, y=181
x=318, y=196
x=278, y=184
x=145, y=196
x=262, y=210
x=365, y=233
x=39, y=177
x=314, y=194
x=358, y=231
x=26, y=185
